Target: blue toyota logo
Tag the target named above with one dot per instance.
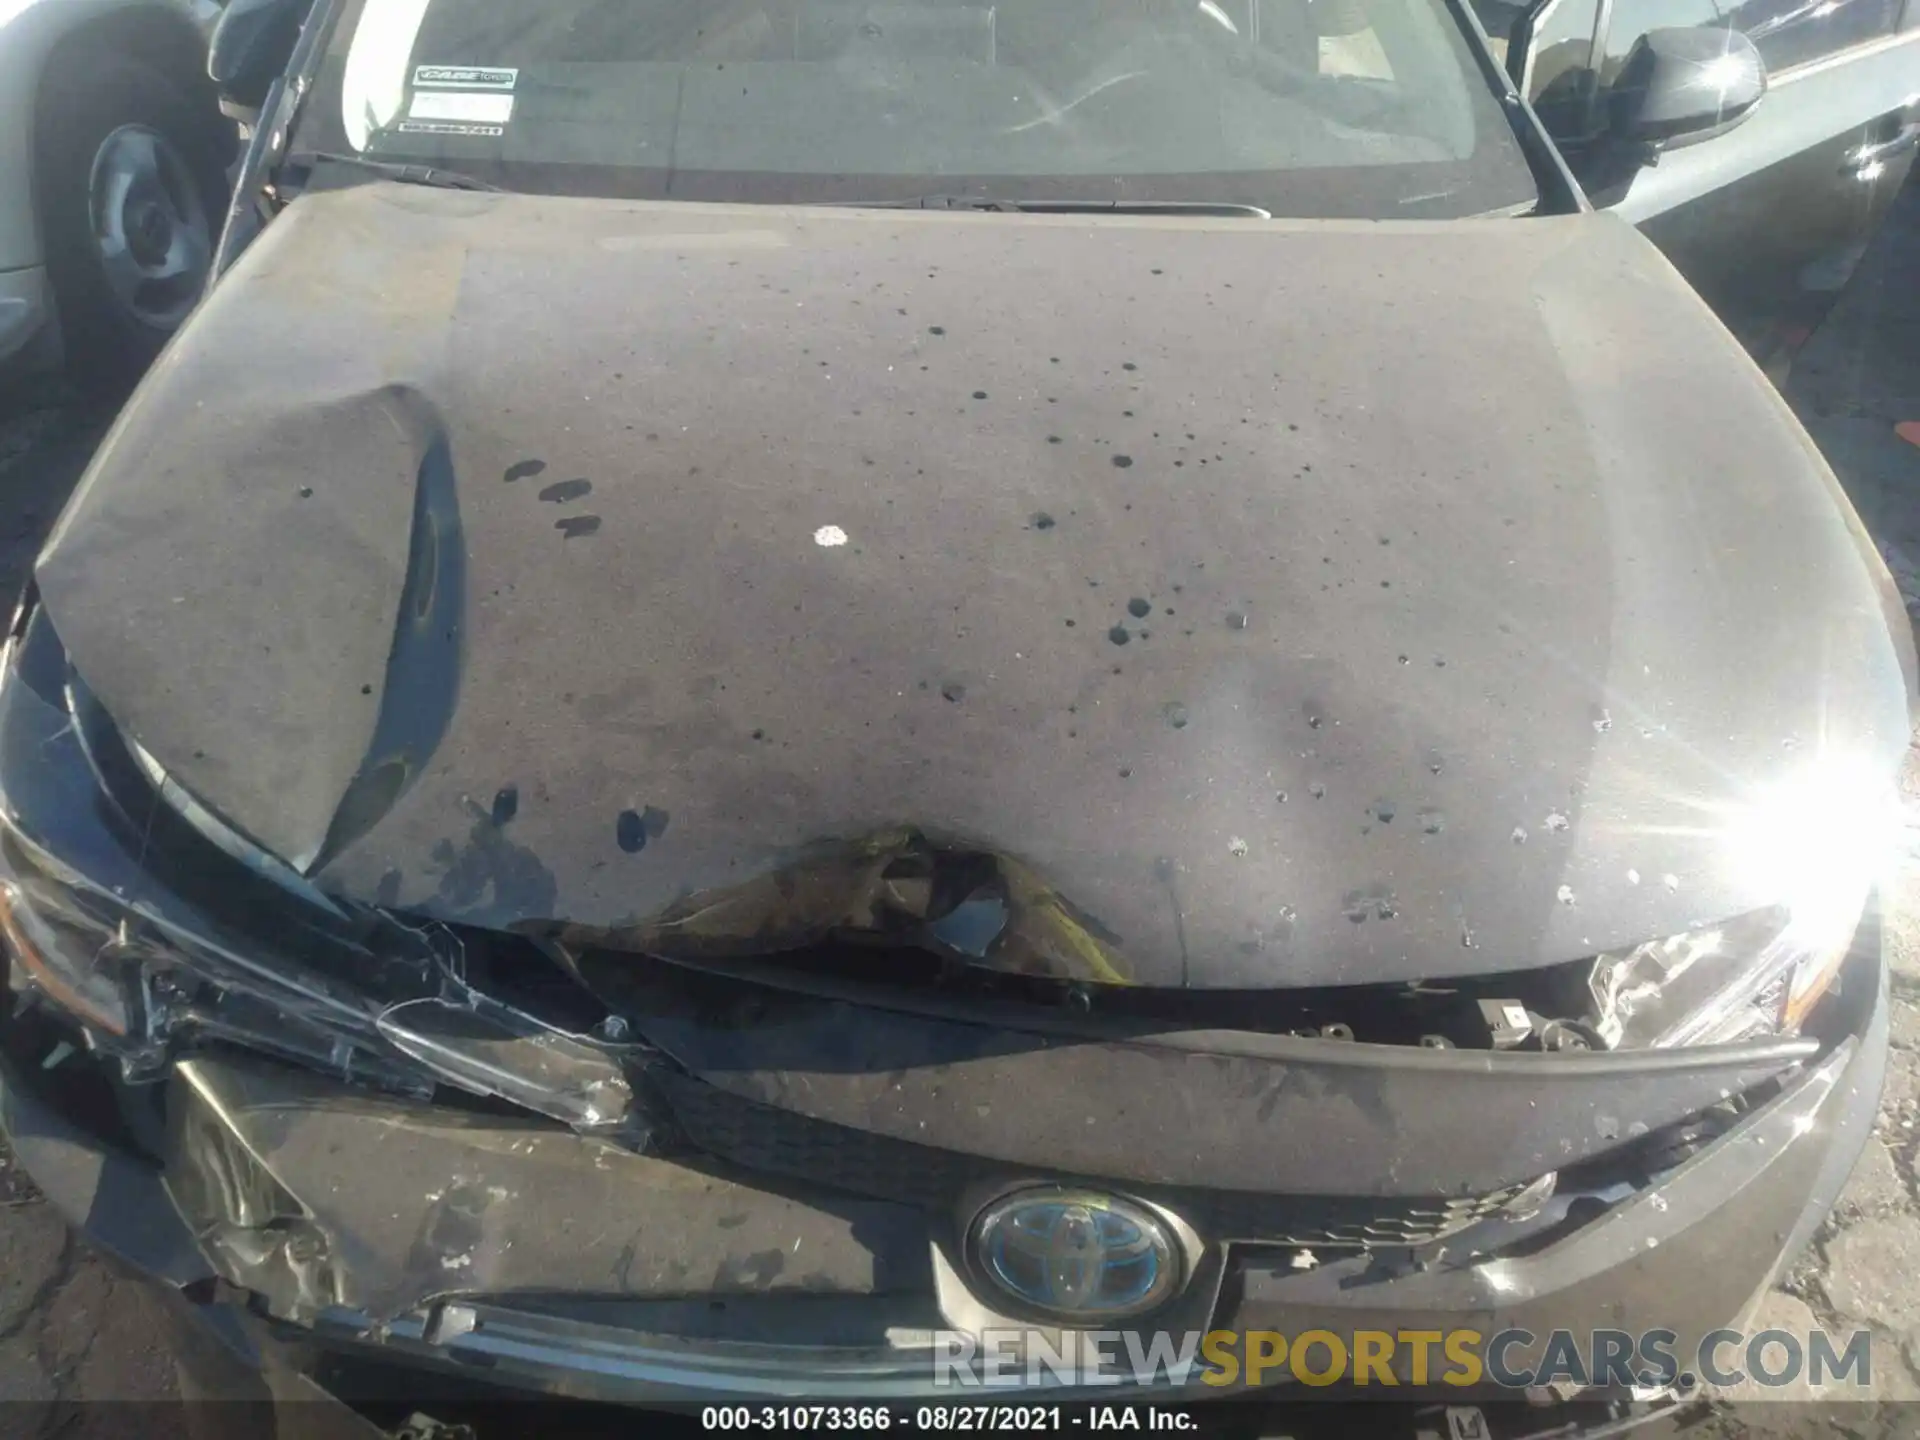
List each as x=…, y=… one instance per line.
x=1076, y=1255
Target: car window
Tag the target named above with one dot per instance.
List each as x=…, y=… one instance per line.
x=1794, y=32
x=1556, y=71
x=1559, y=75
x=1628, y=20
x=1786, y=32
x=1346, y=107
x=1498, y=18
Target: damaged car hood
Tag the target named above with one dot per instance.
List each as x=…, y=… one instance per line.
x=1172, y=601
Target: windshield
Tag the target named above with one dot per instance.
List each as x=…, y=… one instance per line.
x=1305, y=107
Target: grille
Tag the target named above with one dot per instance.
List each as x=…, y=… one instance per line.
x=761, y=1137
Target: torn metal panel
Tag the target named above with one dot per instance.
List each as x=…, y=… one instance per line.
x=1174, y=1108
x=1075, y=543
x=438, y=1202
x=900, y=886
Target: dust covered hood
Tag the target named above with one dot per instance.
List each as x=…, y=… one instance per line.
x=1201, y=602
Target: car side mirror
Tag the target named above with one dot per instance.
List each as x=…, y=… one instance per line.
x=1682, y=86
x=251, y=47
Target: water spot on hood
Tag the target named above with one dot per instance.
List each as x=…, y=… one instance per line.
x=1432, y=821
x=306, y=492
x=506, y=804
x=1053, y=439
x=1236, y=846
x=1404, y=660
x=1122, y=462
x=491, y=875
x=1281, y=796
x=1139, y=608
x=1236, y=619
x=936, y=329
x=1633, y=877
x=635, y=828
x=1556, y=822
x=829, y=536
x=1042, y=520
x=1466, y=936
x=575, y=526
x=979, y=394
x=521, y=469
x=1672, y=882
x=1564, y=895
x=1519, y=834
x=1384, y=810
x=1129, y=365
x=1369, y=900
x=562, y=492
x=1176, y=714
x=1317, y=790
x=1118, y=635
x=953, y=691
x=1602, y=722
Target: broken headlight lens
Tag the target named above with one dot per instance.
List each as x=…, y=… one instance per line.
x=1755, y=975
x=1820, y=841
x=136, y=911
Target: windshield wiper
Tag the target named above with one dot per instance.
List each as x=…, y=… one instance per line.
x=1061, y=207
x=405, y=174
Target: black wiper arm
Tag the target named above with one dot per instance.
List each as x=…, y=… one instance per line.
x=432, y=175
x=1063, y=207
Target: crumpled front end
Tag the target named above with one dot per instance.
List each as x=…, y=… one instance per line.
x=555, y=1163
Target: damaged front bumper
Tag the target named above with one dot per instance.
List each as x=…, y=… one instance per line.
x=317, y=1219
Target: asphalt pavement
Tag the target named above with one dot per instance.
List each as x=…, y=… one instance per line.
x=73, y=1334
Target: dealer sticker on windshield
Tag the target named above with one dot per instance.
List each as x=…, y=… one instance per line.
x=464, y=77
x=482, y=107
x=450, y=127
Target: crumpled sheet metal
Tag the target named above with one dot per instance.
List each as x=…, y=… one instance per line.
x=316, y=1196
x=897, y=884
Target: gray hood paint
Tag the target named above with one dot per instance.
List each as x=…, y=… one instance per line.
x=512, y=508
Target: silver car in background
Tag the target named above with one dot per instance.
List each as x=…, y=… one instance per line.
x=113, y=179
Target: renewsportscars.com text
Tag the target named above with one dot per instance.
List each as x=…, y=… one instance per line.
x=1387, y=1359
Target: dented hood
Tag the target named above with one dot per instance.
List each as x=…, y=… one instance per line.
x=1180, y=601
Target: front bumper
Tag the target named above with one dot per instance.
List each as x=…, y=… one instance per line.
x=302, y=1221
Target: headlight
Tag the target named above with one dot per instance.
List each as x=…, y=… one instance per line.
x=101, y=857
x=1820, y=841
